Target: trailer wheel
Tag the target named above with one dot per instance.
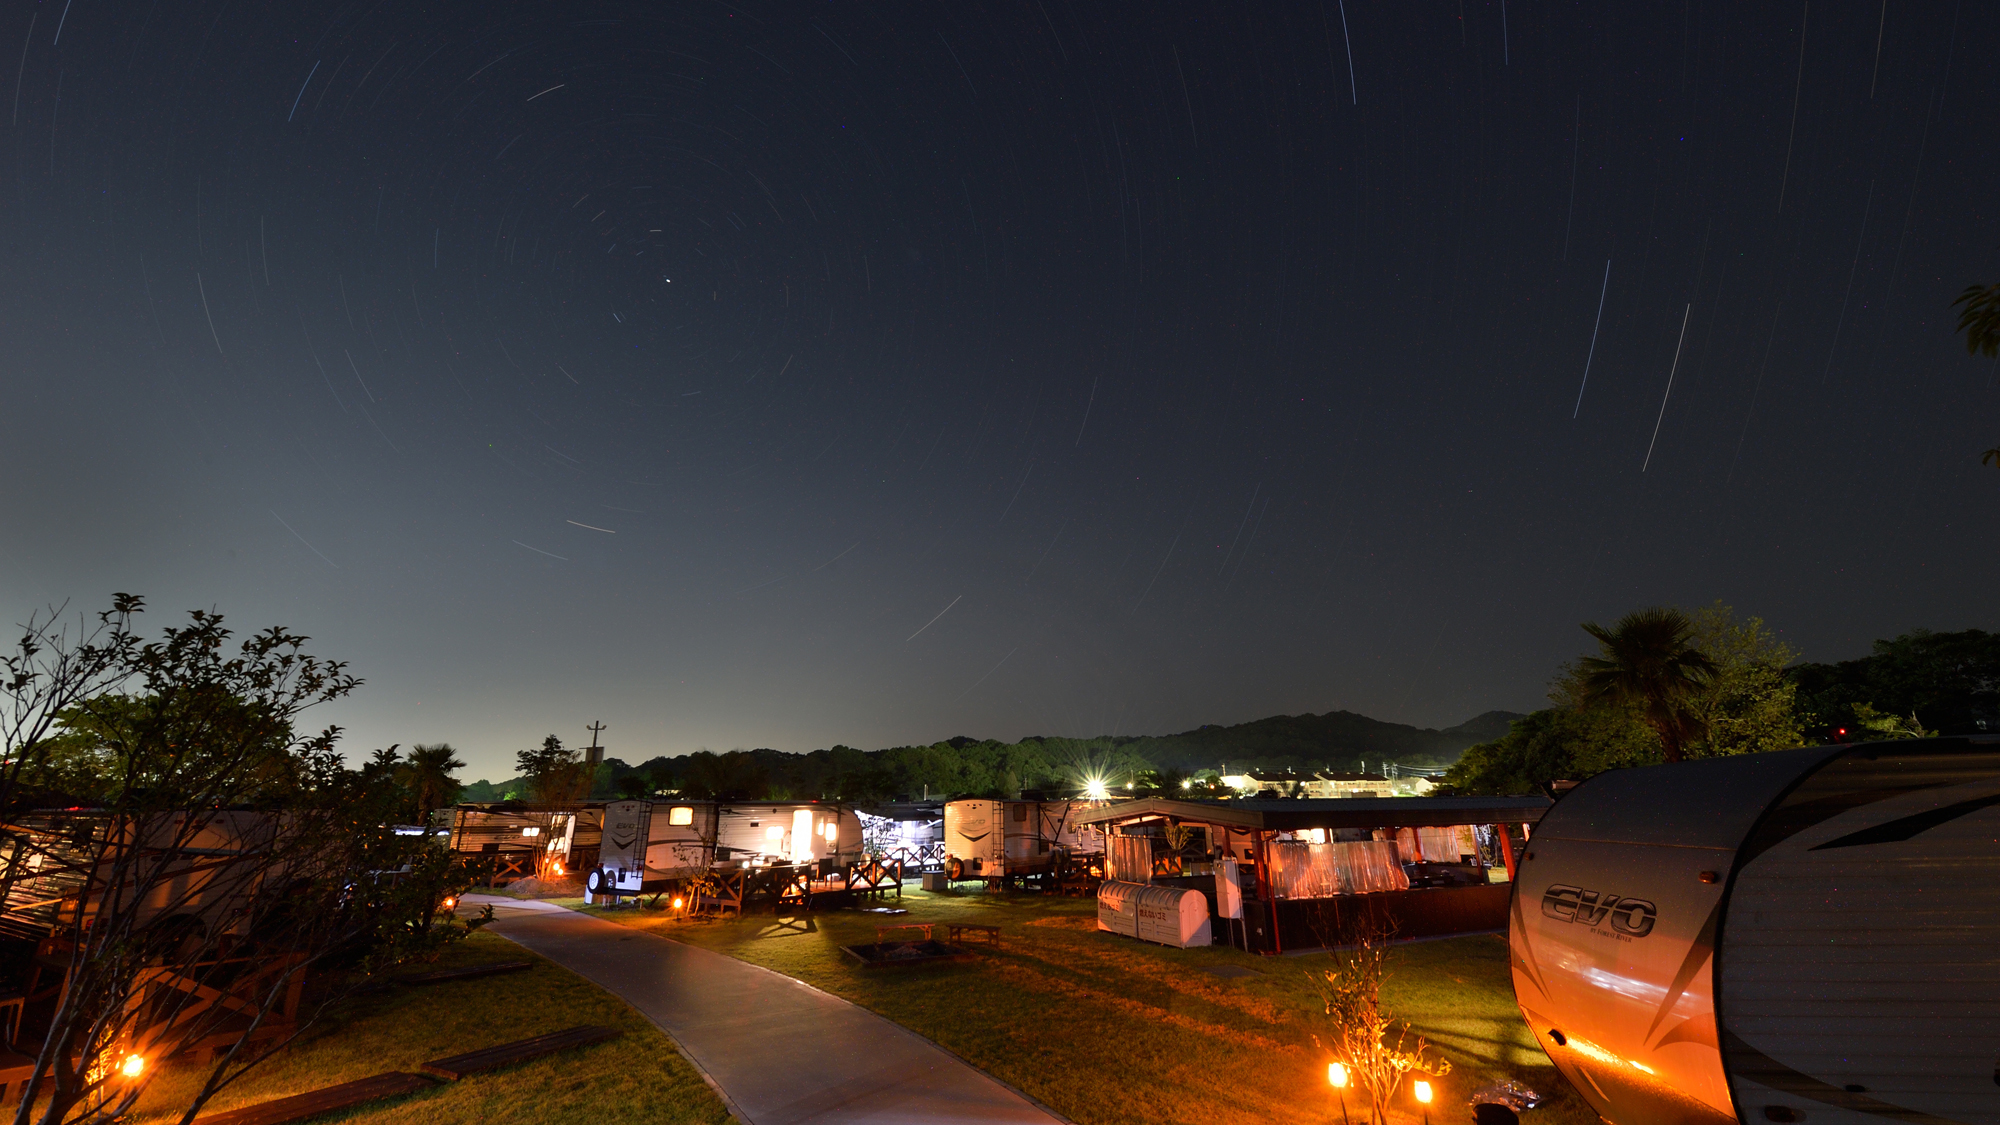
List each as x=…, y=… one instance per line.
x=598, y=882
x=954, y=869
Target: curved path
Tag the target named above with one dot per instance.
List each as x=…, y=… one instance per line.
x=779, y=1051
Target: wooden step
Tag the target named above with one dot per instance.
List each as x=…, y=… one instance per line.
x=465, y=973
x=507, y=1054
x=299, y=1107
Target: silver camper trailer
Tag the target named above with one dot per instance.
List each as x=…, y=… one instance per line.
x=993, y=838
x=1798, y=936
x=651, y=845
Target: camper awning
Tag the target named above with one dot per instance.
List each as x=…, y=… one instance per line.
x=1280, y=815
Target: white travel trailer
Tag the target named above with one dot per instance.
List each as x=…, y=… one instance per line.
x=650, y=845
x=986, y=838
x=1782, y=937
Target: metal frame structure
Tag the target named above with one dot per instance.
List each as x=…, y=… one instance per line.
x=1246, y=831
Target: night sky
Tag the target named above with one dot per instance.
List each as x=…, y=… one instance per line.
x=797, y=374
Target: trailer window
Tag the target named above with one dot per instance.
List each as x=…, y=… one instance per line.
x=681, y=814
x=1020, y=812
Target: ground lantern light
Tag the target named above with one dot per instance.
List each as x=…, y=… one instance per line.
x=133, y=1066
x=1422, y=1090
x=1336, y=1076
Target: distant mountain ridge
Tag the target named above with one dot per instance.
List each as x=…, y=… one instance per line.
x=1336, y=740
x=1340, y=739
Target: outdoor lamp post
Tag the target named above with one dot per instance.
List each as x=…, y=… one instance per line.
x=1336, y=1076
x=1423, y=1091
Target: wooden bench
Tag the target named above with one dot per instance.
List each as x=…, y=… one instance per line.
x=465, y=973
x=298, y=1107
x=722, y=898
x=507, y=1054
x=958, y=930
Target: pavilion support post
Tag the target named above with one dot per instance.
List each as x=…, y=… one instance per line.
x=1506, y=848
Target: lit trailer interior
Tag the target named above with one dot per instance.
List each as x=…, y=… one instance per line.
x=1807, y=935
x=653, y=846
x=906, y=832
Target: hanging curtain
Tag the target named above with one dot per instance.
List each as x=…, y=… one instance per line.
x=1325, y=870
x=1130, y=859
x=1437, y=845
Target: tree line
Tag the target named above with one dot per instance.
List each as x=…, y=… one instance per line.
x=973, y=767
x=1666, y=685
x=957, y=767
x=1662, y=685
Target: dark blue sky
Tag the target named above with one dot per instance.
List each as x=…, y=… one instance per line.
x=679, y=365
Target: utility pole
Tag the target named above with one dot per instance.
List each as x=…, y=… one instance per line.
x=593, y=755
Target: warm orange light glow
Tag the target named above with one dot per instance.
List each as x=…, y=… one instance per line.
x=449, y=903
x=558, y=867
x=677, y=904
x=133, y=1066
x=1423, y=1091
x=1336, y=1074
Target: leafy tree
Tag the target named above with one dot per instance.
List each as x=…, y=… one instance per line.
x=428, y=776
x=1744, y=704
x=735, y=776
x=1949, y=682
x=1979, y=319
x=1887, y=727
x=222, y=849
x=631, y=787
x=1748, y=703
x=1559, y=743
x=383, y=764
x=1649, y=661
x=555, y=774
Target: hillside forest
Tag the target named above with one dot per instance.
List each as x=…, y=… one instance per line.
x=1700, y=683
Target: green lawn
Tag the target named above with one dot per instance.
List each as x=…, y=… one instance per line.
x=1106, y=1029
x=637, y=1078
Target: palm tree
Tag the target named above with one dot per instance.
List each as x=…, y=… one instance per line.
x=1979, y=319
x=1649, y=662
x=427, y=774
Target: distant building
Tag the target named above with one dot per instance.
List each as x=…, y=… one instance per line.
x=1397, y=782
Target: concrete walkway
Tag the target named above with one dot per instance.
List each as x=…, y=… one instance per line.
x=780, y=1051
